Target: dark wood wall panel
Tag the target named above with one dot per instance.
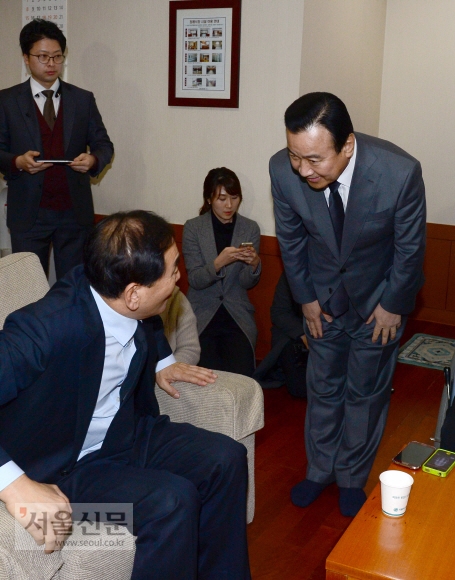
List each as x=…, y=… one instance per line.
x=435, y=302
x=441, y=232
x=451, y=281
x=262, y=294
x=436, y=269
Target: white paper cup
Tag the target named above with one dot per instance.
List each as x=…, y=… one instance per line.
x=395, y=490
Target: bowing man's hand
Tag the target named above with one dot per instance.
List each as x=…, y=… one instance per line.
x=183, y=372
x=312, y=312
x=387, y=324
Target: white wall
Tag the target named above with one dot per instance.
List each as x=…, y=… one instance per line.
x=342, y=52
x=10, y=27
x=392, y=61
x=418, y=94
x=164, y=153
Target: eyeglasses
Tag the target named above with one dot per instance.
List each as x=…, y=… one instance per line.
x=45, y=58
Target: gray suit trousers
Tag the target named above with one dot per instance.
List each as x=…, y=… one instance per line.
x=349, y=382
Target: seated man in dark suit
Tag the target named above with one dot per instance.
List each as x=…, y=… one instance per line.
x=77, y=374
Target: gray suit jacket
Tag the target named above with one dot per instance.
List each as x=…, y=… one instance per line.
x=383, y=244
x=20, y=132
x=208, y=290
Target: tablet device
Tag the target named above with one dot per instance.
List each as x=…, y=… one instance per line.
x=54, y=161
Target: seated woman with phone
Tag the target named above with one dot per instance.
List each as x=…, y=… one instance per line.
x=221, y=248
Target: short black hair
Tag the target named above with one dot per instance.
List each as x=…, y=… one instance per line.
x=322, y=109
x=38, y=29
x=126, y=247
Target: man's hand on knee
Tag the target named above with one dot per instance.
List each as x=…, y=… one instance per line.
x=183, y=372
x=387, y=324
x=312, y=313
x=41, y=508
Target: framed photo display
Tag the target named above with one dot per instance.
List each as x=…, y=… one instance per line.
x=204, y=53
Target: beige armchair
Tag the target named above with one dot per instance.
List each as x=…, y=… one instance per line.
x=233, y=405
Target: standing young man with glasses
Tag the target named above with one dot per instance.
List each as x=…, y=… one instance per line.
x=46, y=119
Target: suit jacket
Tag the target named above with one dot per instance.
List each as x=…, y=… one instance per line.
x=20, y=132
x=208, y=290
x=51, y=363
x=383, y=244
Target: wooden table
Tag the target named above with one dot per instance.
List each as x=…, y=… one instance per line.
x=417, y=546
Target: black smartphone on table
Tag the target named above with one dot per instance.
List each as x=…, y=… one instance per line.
x=414, y=455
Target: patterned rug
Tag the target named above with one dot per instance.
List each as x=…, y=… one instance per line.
x=424, y=350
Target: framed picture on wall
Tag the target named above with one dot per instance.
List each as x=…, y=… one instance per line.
x=204, y=53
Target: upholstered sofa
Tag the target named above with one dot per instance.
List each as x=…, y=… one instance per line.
x=233, y=406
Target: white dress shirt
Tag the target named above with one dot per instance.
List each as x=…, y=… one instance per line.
x=120, y=348
x=344, y=180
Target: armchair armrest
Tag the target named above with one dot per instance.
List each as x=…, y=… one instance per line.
x=22, y=281
x=233, y=405
x=21, y=557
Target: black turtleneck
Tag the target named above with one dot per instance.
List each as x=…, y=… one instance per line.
x=223, y=232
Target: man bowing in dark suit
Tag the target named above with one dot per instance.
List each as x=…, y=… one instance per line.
x=77, y=378
x=48, y=119
x=350, y=221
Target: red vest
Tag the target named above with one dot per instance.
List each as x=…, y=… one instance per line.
x=56, y=193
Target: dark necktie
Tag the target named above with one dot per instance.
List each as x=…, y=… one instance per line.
x=338, y=303
x=136, y=364
x=336, y=210
x=49, y=111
